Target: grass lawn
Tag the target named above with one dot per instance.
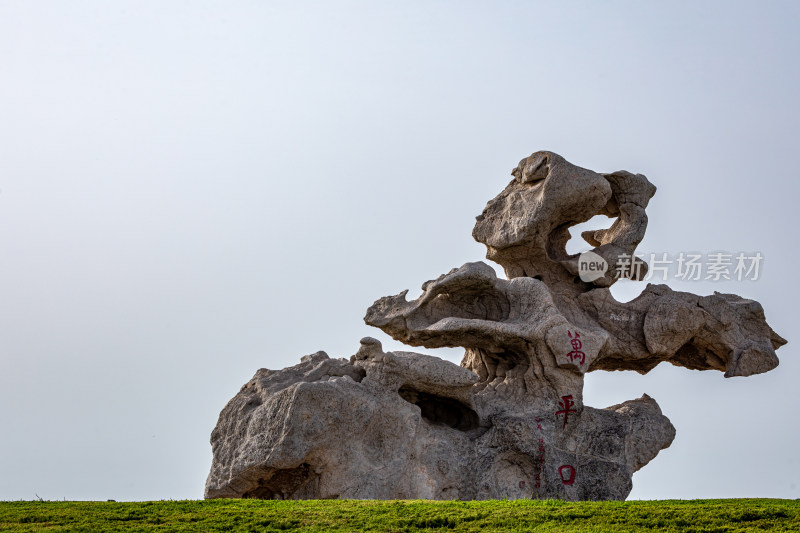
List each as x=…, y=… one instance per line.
x=401, y=516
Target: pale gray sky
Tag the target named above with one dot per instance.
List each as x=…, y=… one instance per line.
x=190, y=191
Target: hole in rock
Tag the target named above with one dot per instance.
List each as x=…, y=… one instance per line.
x=360, y=375
x=626, y=290
x=441, y=410
x=576, y=243
x=281, y=484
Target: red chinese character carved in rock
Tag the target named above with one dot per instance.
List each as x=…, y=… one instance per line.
x=576, y=353
x=566, y=404
x=567, y=474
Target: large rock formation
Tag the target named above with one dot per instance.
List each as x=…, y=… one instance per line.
x=510, y=422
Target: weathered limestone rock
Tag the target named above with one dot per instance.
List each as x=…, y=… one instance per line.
x=510, y=422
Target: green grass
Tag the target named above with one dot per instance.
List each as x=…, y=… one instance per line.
x=401, y=516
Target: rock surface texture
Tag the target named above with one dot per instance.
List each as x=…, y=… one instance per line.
x=510, y=422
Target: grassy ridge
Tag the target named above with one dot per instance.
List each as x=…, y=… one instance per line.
x=401, y=516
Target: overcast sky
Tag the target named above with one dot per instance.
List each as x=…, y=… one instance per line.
x=190, y=191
